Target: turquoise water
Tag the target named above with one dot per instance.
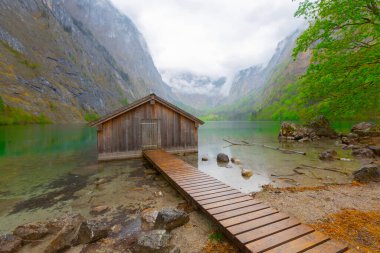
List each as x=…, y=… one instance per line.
x=31, y=157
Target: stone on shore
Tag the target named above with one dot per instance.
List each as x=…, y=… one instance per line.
x=328, y=155
x=99, y=210
x=367, y=173
x=375, y=149
x=67, y=235
x=154, y=241
x=170, y=218
x=363, y=153
x=222, y=158
x=91, y=231
x=366, y=129
x=10, y=243
x=31, y=231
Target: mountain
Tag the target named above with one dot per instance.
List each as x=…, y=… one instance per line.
x=256, y=87
x=60, y=60
x=198, y=91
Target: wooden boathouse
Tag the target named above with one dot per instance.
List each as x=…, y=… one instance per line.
x=148, y=123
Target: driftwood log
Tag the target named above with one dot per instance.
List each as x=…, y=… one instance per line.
x=245, y=143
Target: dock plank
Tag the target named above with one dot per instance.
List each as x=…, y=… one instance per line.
x=254, y=226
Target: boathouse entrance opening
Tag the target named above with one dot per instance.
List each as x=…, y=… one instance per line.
x=150, y=134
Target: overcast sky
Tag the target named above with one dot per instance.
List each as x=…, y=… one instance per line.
x=211, y=37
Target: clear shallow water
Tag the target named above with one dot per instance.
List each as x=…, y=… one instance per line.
x=36, y=160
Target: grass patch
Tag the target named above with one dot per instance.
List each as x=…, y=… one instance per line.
x=216, y=237
x=31, y=65
x=91, y=116
x=358, y=228
x=18, y=116
x=124, y=101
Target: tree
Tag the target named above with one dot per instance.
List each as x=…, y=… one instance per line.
x=343, y=79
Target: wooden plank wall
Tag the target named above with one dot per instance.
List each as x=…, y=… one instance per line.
x=123, y=133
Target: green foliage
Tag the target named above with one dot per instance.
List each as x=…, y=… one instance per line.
x=216, y=236
x=29, y=64
x=211, y=117
x=2, y=105
x=17, y=116
x=343, y=80
x=91, y=116
x=124, y=101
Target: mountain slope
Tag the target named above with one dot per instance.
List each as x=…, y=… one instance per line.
x=257, y=86
x=52, y=64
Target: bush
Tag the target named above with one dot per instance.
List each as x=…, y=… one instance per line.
x=91, y=116
x=2, y=105
x=18, y=116
x=124, y=101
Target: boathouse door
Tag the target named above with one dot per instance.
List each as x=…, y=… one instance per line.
x=150, y=134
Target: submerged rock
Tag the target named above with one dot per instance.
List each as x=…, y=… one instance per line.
x=329, y=154
x=9, y=243
x=31, y=231
x=149, y=217
x=169, y=218
x=367, y=173
x=363, y=153
x=155, y=241
x=222, y=158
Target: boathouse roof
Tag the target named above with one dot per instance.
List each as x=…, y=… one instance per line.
x=141, y=101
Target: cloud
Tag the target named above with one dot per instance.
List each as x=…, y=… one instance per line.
x=213, y=37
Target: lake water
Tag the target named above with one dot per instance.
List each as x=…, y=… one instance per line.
x=36, y=160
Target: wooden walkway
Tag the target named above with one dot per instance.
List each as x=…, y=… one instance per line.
x=252, y=225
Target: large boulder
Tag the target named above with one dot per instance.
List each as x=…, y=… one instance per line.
x=67, y=235
x=31, y=231
x=366, y=129
x=10, y=243
x=222, y=158
x=363, y=153
x=328, y=155
x=154, y=241
x=91, y=231
x=292, y=131
x=367, y=173
x=322, y=127
x=375, y=149
x=170, y=218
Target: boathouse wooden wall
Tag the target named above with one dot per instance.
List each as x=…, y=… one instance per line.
x=121, y=137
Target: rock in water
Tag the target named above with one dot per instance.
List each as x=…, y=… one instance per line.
x=154, y=241
x=169, y=218
x=322, y=127
x=67, y=235
x=363, y=153
x=31, y=231
x=149, y=217
x=367, y=173
x=246, y=173
x=9, y=243
x=222, y=158
x=204, y=158
x=329, y=154
x=235, y=160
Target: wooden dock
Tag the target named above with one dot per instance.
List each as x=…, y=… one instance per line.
x=252, y=225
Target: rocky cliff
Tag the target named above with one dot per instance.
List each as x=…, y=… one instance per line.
x=58, y=59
